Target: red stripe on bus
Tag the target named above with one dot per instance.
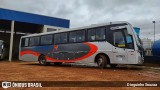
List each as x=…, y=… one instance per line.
x=93, y=49
x=29, y=52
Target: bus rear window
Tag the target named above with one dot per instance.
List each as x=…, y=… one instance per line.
x=25, y=42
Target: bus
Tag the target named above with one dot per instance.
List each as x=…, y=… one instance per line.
x=111, y=44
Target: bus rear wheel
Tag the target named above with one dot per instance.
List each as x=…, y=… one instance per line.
x=42, y=61
x=57, y=63
x=101, y=61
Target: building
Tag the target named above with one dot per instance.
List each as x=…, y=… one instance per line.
x=14, y=24
x=147, y=45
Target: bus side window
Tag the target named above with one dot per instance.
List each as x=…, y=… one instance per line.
x=80, y=36
x=34, y=41
x=72, y=37
x=91, y=35
x=57, y=39
x=46, y=39
x=100, y=33
x=64, y=38
x=119, y=40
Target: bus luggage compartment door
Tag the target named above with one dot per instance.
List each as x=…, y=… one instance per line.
x=68, y=55
x=64, y=55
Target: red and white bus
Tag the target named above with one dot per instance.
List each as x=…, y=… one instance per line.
x=111, y=43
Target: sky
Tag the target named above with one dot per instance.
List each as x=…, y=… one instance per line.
x=140, y=13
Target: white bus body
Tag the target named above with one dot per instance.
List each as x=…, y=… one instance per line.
x=111, y=43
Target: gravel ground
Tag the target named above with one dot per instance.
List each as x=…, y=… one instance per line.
x=32, y=71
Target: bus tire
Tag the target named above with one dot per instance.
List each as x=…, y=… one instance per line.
x=57, y=63
x=42, y=61
x=101, y=61
x=113, y=65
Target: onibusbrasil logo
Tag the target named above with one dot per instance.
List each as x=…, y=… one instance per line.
x=7, y=84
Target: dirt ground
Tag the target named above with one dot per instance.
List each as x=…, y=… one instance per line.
x=32, y=71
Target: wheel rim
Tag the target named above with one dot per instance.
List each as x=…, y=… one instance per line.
x=100, y=61
x=42, y=60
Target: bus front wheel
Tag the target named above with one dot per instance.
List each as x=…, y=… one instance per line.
x=101, y=61
x=42, y=61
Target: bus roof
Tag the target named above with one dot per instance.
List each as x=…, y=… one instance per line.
x=79, y=28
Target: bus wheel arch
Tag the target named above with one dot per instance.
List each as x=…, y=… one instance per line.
x=103, y=59
x=42, y=60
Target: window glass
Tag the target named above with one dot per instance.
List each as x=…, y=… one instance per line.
x=91, y=35
x=64, y=37
x=80, y=36
x=109, y=35
x=57, y=38
x=129, y=40
x=100, y=33
x=34, y=41
x=46, y=39
x=119, y=40
x=72, y=37
x=22, y=42
x=26, y=42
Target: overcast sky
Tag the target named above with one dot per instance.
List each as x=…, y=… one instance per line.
x=139, y=13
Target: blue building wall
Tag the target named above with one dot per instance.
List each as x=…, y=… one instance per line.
x=33, y=18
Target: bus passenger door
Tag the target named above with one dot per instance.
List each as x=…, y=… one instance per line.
x=119, y=50
x=131, y=53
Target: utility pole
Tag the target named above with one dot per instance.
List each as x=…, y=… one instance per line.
x=11, y=41
x=154, y=22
